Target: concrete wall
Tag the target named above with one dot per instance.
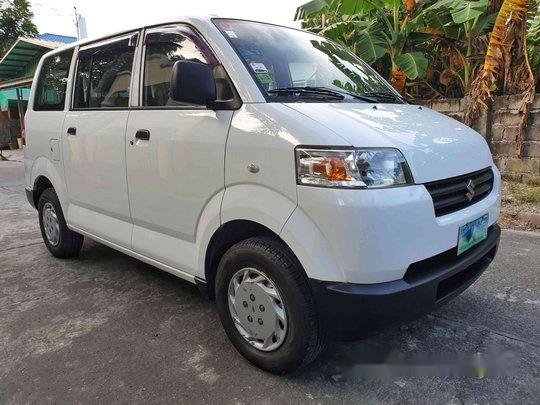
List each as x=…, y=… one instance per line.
x=499, y=125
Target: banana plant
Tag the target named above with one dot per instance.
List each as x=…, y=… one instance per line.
x=533, y=38
x=460, y=26
x=374, y=29
x=506, y=37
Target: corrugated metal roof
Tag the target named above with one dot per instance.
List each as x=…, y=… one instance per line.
x=21, y=60
x=23, y=56
x=63, y=39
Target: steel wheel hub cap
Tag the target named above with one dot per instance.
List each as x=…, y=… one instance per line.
x=257, y=309
x=51, y=224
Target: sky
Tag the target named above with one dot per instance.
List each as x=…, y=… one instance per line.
x=108, y=16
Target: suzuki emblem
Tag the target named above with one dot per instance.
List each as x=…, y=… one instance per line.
x=470, y=190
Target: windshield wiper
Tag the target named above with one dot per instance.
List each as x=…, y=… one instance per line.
x=339, y=94
x=370, y=97
x=308, y=91
x=363, y=97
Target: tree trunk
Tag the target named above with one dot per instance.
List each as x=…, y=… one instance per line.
x=509, y=23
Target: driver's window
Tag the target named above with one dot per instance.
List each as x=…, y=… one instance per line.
x=163, y=49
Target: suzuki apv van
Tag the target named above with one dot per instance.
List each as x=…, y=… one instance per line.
x=269, y=166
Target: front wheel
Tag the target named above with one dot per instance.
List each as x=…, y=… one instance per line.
x=266, y=305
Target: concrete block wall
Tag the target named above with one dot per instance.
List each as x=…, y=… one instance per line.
x=499, y=125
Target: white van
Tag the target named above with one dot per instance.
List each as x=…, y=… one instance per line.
x=267, y=165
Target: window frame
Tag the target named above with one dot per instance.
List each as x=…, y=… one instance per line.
x=142, y=61
x=133, y=79
x=67, y=91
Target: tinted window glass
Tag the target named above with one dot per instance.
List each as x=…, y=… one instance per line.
x=104, y=75
x=163, y=50
x=52, y=81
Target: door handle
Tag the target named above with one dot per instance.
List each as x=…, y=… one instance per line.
x=72, y=131
x=143, y=134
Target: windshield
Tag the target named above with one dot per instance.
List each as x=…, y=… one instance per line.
x=292, y=65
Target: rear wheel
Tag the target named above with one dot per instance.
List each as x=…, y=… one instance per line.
x=61, y=241
x=266, y=306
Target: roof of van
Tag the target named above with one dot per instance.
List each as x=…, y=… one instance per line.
x=187, y=19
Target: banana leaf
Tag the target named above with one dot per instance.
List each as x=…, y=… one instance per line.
x=413, y=64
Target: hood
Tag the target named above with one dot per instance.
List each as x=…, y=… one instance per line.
x=435, y=146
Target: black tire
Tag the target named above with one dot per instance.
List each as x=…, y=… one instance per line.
x=304, y=339
x=69, y=242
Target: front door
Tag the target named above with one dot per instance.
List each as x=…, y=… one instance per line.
x=94, y=141
x=175, y=153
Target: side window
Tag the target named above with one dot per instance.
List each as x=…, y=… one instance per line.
x=163, y=49
x=52, y=81
x=104, y=75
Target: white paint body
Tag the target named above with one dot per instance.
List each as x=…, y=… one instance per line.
x=162, y=200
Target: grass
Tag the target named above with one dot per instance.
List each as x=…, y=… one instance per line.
x=526, y=194
x=519, y=202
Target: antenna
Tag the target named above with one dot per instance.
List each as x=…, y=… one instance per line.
x=77, y=20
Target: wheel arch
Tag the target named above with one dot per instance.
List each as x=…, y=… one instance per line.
x=226, y=236
x=41, y=183
x=45, y=174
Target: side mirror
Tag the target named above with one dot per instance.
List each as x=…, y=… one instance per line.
x=193, y=83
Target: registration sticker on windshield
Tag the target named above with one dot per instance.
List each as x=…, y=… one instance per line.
x=258, y=67
x=264, y=78
x=231, y=34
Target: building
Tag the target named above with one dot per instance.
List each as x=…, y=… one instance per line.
x=17, y=70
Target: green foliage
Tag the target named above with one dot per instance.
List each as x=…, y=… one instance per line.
x=533, y=36
x=379, y=31
x=370, y=47
x=463, y=11
x=310, y=8
x=446, y=37
x=413, y=64
x=15, y=21
x=462, y=25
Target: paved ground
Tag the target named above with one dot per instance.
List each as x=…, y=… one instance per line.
x=107, y=328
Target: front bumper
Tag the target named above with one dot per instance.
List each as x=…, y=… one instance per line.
x=372, y=236
x=357, y=310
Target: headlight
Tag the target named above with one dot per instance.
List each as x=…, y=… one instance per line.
x=352, y=168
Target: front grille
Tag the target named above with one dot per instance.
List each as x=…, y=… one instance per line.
x=456, y=193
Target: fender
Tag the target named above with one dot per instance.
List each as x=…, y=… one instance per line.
x=311, y=248
x=278, y=213
x=42, y=166
x=240, y=202
x=257, y=203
